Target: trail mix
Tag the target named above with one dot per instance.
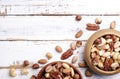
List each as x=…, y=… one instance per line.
x=60, y=70
x=105, y=52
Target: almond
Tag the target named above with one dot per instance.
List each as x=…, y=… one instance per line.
x=73, y=46
x=58, y=49
x=112, y=25
x=42, y=61
x=79, y=34
x=74, y=59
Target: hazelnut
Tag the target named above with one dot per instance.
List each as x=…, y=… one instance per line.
x=35, y=66
x=26, y=63
x=78, y=17
x=88, y=73
x=98, y=20
x=78, y=43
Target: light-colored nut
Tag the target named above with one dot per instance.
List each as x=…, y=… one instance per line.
x=65, y=65
x=114, y=65
x=66, y=71
x=98, y=20
x=94, y=49
x=115, y=56
x=117, y=49
x=102, y=59
x=58, y=49
x=100, y=64
x=47, y=75
x=101, y=52
x=107, y=46
x=72, y=72
x=112, y=53
x=117, y=44
x=49, y=55
x=74, y=59
x=112, y=25
x=108, y=40
x=12, y=72
x=54, y=68
x=93, y=55
x=24, y=71
x=106, y=54
x=42, y=61
x=103, y=41
x=119, y=57
x=73, y=46
x=49, y=68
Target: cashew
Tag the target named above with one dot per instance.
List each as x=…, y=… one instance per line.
x=103, y=41
x=117, y=44
x=115, y=56
x=65, y=65
x=114, y=65
x=101, y=52
x=94, y=49
x=108, y=40
x=100, y=64
x=72, y=72
x=117, y=49
x=106, y=54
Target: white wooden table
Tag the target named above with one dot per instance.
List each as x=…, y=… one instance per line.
x=31, y=28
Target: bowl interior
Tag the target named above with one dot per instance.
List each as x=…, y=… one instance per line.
x=42, y=71
x=88, y=50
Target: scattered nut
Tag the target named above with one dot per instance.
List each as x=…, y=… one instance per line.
x=82, y=64
x=33, y=77
x=93, y=27
x=35, y=66
x=88, y=73
x=112, y=25
x=12, y=72
x=78, y=17
x=42, y=61
x=74, y=59
x=26, y=63
x=24, y=71
x=98, y=20
x=79, y=34
x=73, y=46
x=58, y=49
x=67, y=54
x=78, y=43
x=49, y=55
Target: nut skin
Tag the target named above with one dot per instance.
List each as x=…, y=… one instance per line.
x=58, y=49
x=26, y=63
x=35, y=66
x=78, y=17
x=88, y=73
x=42, y=61
x=78, y=34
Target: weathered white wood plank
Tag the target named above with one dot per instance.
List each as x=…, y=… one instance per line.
x=34, y=50
x=49, y=27
x=15, y=7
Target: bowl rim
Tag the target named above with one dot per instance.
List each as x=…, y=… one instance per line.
x=88, y=48
x=54, y=62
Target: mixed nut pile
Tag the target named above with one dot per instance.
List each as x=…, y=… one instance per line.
x=105, y=52
x=60, y=70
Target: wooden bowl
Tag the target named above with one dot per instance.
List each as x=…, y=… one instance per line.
x=42, y=71
x=88, y=49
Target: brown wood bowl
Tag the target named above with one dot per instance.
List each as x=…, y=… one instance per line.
x=42, y=71
x=88, y=48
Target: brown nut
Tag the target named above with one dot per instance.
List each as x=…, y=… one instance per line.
x=35, y=66
x=93, y=27
x=78, y=43
x=98, y=20
x=26, y=63
x=33, y=77
x=74, y=59
x=76, y=76
x=88, y=73
x=67, y=54
x=58, y=49
x=79, y=34
x=112, y=25
x=82, y=64
x=49, y=55
x=42, y=61
x=78, y=17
